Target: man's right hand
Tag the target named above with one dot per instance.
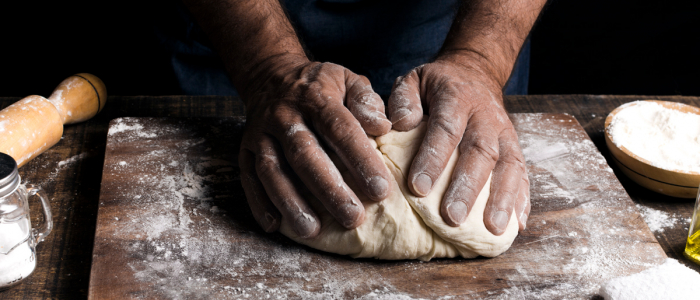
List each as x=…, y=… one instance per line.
x=295, y=108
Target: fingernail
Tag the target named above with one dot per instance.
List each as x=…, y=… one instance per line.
x=271, y=221
x=523, y=219
x=499, y=220
x=399, y=114
x=305, y=225
x=378, y=188
x=352, y=213
x=422, y=184
x=457, y=212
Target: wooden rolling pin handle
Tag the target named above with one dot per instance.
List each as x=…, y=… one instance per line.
x=32, y=125
x=79, y=97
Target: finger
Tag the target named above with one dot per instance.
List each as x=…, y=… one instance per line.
x=276, y=177
x=405, y=110
x=263, y=210
x=478, y=155
x=344, y=135
x=445, y=130
x=522, y=203
x=507, y=177
x=316, y=170
x=365, y=105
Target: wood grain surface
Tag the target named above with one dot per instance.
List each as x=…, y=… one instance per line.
x=173, y=223
x=71, y=173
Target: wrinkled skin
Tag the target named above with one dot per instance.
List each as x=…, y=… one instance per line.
x=465, y=109
x=298, y=110
x=296, y=107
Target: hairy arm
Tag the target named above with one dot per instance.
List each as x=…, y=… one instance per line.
x=295, y=110
x=492, y=33
x=251, y=36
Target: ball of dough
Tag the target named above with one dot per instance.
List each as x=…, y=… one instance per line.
x=404, y=226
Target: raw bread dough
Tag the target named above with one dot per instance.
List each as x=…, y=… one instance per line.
x=404, y=226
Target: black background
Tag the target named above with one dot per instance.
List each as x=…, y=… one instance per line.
x=578, y=47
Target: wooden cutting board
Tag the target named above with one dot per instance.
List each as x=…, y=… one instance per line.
x=173, y=223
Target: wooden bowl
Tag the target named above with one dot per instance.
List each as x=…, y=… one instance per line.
x=668, y=182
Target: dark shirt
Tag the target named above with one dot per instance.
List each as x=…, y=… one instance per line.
x=380, y=39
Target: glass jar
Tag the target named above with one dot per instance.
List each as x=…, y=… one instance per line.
x=692, y=246
x=18, y=239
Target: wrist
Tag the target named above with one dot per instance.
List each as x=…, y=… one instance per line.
x=271, y=70
x=491, y=73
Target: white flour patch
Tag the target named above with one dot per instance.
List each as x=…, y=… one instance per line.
x=136, y=129
x=297, y=127
x=658, y=220
x=72, y=160
x=670, y=280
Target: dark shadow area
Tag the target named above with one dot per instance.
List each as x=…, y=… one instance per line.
x=45, y=42
x=578, y=47
x=617, y=47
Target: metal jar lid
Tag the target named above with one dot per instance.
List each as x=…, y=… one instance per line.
x=9, y=177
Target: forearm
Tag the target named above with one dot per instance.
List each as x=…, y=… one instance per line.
x=249, y=35
x=491, y=32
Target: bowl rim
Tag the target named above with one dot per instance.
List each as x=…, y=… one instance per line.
x=666, y=104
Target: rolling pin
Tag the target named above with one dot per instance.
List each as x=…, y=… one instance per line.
x=32, y=125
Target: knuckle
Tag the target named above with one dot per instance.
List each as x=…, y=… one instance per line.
x=316, y=98
x=278, y=114
x=451, y=129
x=301, y=150
x=336, y=120
x=267, y=165
x=510, y=161
x=365, y=98
x=292, y=131
x=482, y=146
x=311, y=90
x=360, y=80
x=331, y=67
x=398, y=81
x=345, y=131
x=512, y=156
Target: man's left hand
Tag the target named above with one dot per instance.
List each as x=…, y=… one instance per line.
x=464, y=103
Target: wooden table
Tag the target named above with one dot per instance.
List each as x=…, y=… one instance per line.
x=71, y=171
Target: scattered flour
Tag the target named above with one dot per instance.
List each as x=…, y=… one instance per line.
x=194, y=237
x=136, y=130
x=569, y=175
x=666, y=138
x=188, y=246
x=658, y=220
x=669, y=281
x=61, y=166
x=72, y=160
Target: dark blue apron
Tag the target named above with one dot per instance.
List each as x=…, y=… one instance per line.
x=378, y=39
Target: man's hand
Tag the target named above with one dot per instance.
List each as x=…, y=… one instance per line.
x=294, y=109
x=300, y=108
x=465, y=109
x=461, y=93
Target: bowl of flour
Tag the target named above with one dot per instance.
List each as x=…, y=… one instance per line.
x=657, y=145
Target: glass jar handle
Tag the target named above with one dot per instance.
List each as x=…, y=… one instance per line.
x=40, y=234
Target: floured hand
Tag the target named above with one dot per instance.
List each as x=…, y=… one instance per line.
x=293, y=111
x=465, y=109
